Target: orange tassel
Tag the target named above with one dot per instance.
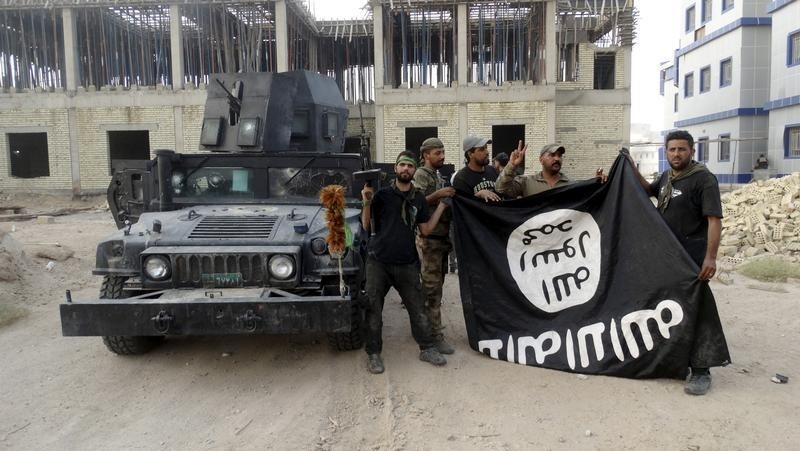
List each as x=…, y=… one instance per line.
x=332, y=198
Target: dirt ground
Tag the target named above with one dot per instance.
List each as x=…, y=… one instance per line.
x=293, y=392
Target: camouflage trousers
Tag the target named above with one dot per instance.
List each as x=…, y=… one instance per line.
x=433, y=260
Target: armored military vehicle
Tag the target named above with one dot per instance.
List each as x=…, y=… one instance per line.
x=232, y=240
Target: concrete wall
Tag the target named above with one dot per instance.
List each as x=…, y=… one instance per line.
x=77, y=129
x=779, y=163
x=785, y=87
x=533, y=115
x=93, y=126
x=592, y=124
x=444, y=116
x=56, y=125
x=592, y=136
x=586, y=53
x=785, y=80
x=704, y=113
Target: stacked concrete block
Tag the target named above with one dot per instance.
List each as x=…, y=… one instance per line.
x=761, y=218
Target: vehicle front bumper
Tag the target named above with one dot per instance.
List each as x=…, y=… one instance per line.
x=237, y=311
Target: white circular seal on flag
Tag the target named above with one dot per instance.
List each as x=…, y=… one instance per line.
x=555, y=259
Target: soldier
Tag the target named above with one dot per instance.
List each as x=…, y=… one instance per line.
x=434, y=247
x=478, y=176
x=392, y=261
x=500, y=161
x=512, y=185
x=689, y=201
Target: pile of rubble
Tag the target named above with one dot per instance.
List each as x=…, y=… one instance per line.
x=761, y=218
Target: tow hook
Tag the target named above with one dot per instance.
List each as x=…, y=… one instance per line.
x=248, y=321
x=162, y=321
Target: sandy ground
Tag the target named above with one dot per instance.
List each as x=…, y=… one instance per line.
x=293, y=392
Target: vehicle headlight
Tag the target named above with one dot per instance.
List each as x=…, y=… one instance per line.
x=319, y=246
x=281, y=266
x=156, y=267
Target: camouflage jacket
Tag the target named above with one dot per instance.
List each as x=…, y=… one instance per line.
x=426, y=182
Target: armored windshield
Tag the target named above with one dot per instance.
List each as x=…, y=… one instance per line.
x=210, y=182
x=306, y=182
x=278, y=180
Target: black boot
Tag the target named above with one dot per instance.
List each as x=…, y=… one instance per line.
x=699, y=382
x=375, y=363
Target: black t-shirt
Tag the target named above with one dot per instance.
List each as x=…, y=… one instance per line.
x=469, y=182
x=393, y=242
x=693, y=199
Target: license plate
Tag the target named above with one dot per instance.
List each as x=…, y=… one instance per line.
x=222, y=280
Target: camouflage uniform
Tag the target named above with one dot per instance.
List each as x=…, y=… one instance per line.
x=433, y=250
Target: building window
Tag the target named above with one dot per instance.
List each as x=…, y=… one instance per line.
x=689, y=19
x=675, y=103
x=791, y=141
x=793, y=49
x=127, y=145
x=604, y=70
x=705, y=79
x=725, y=72
x=705, y=11
x=28, y=155
x=727, y=5
x=688, y=85
x=506, y=137
x=724, y=148
x=702, y=149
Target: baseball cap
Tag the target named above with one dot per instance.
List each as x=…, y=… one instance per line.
x=431, y=143
x=471, y=142
x=552, y=148
x=501, y=157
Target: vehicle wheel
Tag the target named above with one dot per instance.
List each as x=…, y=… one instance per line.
x=350, y=341
x=118, y=344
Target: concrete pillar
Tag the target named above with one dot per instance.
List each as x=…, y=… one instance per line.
x=177, y=117
x=551, y=122
x=176, y=45
x=70, y=50
x=74, y=150
x=380, y=151
x=377, y=41
x=463, y=131
x=550, y=50
x=281, y=36
x=626, y=67
x=463, y=53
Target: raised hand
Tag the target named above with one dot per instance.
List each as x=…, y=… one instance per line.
x=518, y=155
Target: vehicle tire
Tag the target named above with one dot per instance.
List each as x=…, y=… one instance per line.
x=350, y=341
x=119, y=344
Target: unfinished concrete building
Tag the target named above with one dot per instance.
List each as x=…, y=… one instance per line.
x=85, y=83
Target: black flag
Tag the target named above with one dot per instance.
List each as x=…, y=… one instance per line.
x=586, y=278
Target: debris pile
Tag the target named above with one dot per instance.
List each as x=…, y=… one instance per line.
x=11, y=257
x=761, y=218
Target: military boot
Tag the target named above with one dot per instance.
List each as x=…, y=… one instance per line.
x=375, y=363
x=444, y=347
x=432, y=356
x=699, y=382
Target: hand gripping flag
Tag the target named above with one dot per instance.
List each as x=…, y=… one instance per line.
x=585, y=278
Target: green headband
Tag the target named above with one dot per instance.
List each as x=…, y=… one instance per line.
x=407, y=160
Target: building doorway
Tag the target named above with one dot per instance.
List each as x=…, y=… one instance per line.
x=127, y=145
x=416, y=135
x=505, y=139
x=28, y=155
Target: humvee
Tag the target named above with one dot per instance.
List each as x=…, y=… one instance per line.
x=232, y=240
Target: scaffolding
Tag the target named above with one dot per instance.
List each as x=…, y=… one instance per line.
x=602, y=23
x=128, y=43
